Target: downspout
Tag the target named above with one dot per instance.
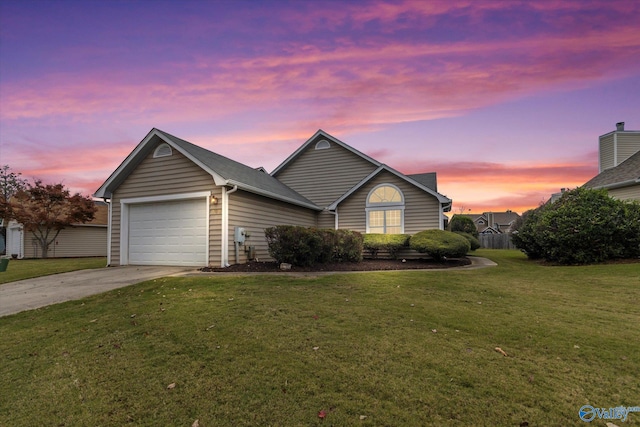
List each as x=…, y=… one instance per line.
x=225, y=224
x=336, y=223
x=108, y=202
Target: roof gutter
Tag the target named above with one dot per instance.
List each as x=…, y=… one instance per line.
x=272, y=195
x=617, y=184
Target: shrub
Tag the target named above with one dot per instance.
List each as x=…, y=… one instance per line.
x=584, y=226
x=293, y=244
x=526, y=236
x=303, y=246
x=473, y=241
x=440, y=244
x=392, y=243
x=463, y=224
x=347, y=247
x=631, y=230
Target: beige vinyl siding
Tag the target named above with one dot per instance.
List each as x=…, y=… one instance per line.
x=628, y=144
x=73, y=241
x=607, y=158
x=624, y=193
x=163, y=176
x=326, y=220
x=421, y=212
x=31, y=246
x=322, y=176
x=255, y=213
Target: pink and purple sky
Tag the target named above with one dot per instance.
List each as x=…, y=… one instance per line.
x=505, y=100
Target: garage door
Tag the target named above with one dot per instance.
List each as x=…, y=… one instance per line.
x=168, y=233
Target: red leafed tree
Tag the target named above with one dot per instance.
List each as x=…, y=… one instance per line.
x=44, y=210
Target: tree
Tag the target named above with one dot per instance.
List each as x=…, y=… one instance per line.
x=10, y=184
x=464, y=224
x=45, y=210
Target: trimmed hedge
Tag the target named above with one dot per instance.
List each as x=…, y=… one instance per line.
x=440, y=244
x=303, y=246
x=473, y=241
x=392, y=243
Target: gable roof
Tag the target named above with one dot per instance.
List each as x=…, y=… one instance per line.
x=428, y=179
x=444, y=201
x=427, y=182
x=492, y=221
x=223, y=170
x=311, y=140
x=625, y=174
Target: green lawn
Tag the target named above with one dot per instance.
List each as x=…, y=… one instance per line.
x=19, y=269
x=368, y=349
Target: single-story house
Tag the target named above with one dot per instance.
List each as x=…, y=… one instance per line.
x=175, y=203
x=78, y=240
x=619, y=164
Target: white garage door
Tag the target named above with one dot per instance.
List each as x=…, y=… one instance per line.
x=168, y=233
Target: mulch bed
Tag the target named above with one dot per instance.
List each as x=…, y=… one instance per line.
x=364, y=265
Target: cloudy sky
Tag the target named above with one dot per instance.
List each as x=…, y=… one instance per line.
x=505, y=100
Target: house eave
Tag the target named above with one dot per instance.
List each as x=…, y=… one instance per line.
x=333, y=139
x=137, y=155
x=445, y=202
x=615, y=185
x=270, y=195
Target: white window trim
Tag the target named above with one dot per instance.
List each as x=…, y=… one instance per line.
x=124, y=217
x=387, y=206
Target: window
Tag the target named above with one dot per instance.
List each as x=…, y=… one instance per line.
x=385, y=210
x=323, y=144
x=163, y=150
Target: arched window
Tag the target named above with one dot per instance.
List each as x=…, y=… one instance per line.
x=385, y=210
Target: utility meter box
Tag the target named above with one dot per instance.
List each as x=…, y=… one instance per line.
x=239, y=235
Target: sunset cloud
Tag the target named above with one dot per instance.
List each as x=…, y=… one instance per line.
x=78, y=92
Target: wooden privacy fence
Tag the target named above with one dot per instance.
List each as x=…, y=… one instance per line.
x=496, y=241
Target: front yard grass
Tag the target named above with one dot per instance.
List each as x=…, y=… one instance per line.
x=369, y=349
x=20, y=269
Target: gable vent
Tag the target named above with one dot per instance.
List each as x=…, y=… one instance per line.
x=163, y=150
x=323, y=144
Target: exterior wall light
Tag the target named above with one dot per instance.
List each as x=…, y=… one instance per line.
x=214, y=200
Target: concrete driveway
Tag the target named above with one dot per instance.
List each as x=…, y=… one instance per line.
x=42, y=291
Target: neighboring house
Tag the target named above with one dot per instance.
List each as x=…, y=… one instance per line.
x=175, y=203
x=619, y=164
x=494, y=222
x=77, y=240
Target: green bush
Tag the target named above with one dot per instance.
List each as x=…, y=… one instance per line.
x=392, y=243
x=473, y=241
x=584, y=226
x=463, y=224
x=303, y=246
x=440, y=244
x=631, y=229
x=348, y=247
x=293, y=244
